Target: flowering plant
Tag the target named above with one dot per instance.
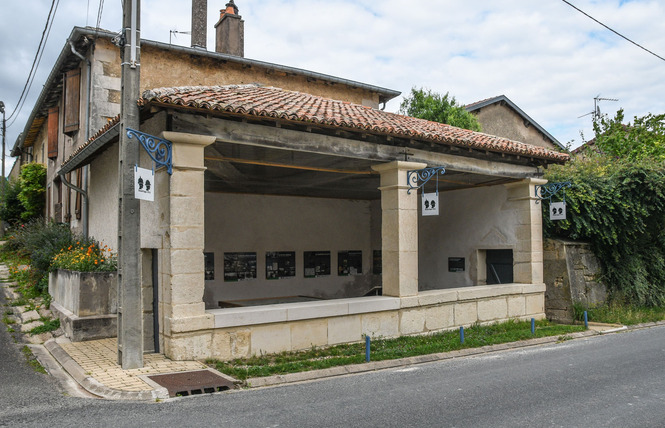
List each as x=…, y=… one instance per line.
x=82, y=258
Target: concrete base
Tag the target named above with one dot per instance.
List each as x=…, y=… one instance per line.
x=78, y=329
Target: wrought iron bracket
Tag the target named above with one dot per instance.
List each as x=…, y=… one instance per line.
x=159, y=150
x=546, y=191
x=423, y=175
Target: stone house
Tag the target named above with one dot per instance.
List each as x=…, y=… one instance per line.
x=287, y=216
x=500, y=116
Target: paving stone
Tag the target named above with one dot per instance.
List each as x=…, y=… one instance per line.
x=29, y=316
x=29, y=326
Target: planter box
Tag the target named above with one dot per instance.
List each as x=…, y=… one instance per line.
x=86, y=303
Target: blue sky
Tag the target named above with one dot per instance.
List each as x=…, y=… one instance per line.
x=545, y=56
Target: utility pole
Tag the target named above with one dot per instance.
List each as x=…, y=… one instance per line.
x=130, y=305
x=4, y=132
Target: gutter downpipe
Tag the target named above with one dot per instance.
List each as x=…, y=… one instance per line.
x=84, y=190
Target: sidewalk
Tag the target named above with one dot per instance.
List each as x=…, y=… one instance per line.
x=93, y=365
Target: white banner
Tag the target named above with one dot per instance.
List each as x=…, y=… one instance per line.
x=144, y=184
x=430, y=204
x=557, y=211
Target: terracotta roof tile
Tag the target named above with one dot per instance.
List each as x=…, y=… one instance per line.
x=255, y=100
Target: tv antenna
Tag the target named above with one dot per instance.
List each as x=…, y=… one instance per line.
x=596, y=108
x=172, y=32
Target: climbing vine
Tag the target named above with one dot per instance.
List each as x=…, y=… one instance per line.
x=618, y=206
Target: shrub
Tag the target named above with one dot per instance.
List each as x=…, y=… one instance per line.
x=39, y=242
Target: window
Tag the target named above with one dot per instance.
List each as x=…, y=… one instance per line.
x=499, y=266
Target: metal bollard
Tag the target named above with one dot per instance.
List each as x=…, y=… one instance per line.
x=533, y=326
x=586, y=321
x=461, y=335
x=367, y=345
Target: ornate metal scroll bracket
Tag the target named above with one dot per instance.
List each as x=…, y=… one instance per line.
x=160, y=150
x=423, y=175
x=546, y=191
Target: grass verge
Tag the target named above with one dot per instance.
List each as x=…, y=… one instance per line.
x=388, y=349
x=619, y=313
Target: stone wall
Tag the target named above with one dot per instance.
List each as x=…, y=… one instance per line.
x=571, y=272
x=499, y=119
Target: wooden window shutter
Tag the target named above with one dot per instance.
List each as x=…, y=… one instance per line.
x=72, y=101
x=53, y=133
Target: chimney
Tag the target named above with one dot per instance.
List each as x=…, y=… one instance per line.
x=199, y=23
x=230, y=37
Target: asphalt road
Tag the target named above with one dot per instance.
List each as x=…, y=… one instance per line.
x=615, y=380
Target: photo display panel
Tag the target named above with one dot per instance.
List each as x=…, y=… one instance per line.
x=349, y=262
x=239, y=266
x=316, y=263
x=280, y=264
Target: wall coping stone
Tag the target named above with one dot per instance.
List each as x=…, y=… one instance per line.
x=283, y=312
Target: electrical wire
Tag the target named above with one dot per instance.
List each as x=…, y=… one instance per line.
x=615, y=32
x=99, y=13
x=35, y=63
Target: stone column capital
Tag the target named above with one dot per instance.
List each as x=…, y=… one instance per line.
x=188, y=148
x=395, y=173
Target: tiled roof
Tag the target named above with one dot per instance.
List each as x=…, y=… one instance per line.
x=255, y=100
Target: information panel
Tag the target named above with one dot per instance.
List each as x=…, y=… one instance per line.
x=349, y=262
x=280, y=264
x=456, y=264
x=317, y=263
x=239, y=266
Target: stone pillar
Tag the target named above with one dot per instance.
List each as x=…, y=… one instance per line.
x=183, y=279
x=399, y=229
x=528, y=253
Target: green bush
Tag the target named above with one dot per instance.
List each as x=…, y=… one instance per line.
x=618, y=206
x=33, y=190
x=39, y=242
x=10, y=205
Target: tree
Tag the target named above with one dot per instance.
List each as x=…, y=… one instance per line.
x=644, y=139
x=10, y=206
x=428, y=105
x=33, y=190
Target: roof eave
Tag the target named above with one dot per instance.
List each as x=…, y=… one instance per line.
x=89, y=151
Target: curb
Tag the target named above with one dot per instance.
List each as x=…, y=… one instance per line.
x=94, y=387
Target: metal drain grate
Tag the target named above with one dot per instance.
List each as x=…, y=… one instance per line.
x=192, y=383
